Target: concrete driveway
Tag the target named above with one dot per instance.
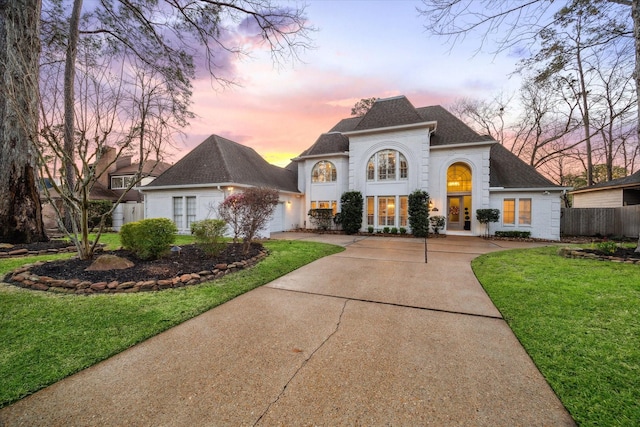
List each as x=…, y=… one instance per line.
x=369, y=336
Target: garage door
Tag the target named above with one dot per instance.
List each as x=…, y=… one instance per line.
x=277, y=220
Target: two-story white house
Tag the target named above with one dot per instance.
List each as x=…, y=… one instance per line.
x=388, y=153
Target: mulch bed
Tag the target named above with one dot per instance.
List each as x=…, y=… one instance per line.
x=192, y=259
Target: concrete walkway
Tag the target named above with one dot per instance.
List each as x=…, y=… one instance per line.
x=369, y=336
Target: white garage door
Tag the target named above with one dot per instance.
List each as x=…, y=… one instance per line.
x=277, y=220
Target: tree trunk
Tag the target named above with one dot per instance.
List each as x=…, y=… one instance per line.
x=20, y=207
x=635, y=16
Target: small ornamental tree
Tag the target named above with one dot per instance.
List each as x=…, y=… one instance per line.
x=486, y=216
x=232, y=211
x=351, y=216
x=419, y=213
x=248, y=212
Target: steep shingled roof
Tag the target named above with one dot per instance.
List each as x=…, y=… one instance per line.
x=450, y=129
x=631, y=180
x=327, y=143
x=396, y=111
x=509, y=171
x=219, y=160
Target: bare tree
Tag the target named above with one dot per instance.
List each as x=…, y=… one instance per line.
x=363, y=106
x=137, y=99
x=20, y=208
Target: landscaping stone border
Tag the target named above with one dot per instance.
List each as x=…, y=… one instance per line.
x=22, y=277
x=579, y=253
x=25, y=252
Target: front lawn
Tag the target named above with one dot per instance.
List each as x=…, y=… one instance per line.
x=579, y=320
x=46, y=337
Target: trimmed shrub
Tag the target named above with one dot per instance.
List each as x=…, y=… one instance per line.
x=403, y=230
x=350, y=218
x=149, y=238
x=514, y=234
x=321, y=218
x=394, y=230
x=419, y=213
x=208, y=235
x=385, y=230
x=437, y=223
x=370, y=229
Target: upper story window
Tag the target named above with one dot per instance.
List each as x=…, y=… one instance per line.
x=121, y=182
x=324, y=171
x=387, y=165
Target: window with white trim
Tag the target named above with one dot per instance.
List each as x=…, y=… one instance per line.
x=121, y=182
x=178, y=211
x=387, y=165
x=324, y=171
x=325, y=204
x=191, y=210
x=516, y=211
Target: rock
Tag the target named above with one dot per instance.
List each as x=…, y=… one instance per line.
x=109, y=262
x=100, y=286
x=18, y=252
x=6, y=245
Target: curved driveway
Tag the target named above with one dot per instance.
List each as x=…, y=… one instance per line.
x=369, y=336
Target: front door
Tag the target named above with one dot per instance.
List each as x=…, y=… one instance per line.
x=454, y=213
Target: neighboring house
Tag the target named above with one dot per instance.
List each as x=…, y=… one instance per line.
x=112, y=184
x=388, y=153
x=611, y=194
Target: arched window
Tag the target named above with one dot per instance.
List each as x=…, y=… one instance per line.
x=387, y=165
x=458, y=178
x=323, y=171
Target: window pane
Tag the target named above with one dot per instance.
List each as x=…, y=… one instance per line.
x=386, y=211
x=371, y=170
x=323, y=171
x=403, y=167
x=370, y=210
x=116, y=182
x=524, y=211
x=191, y=210
x=509, y=211
x=386, y=165
x=177, y=211
x=404, y=210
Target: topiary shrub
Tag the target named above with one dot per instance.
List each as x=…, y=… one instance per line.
x=487, y=216
x=419, y=213
x=149, y=238
x=209, y=234
x=350, y=218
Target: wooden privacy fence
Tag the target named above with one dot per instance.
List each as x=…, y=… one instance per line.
x=622, y=221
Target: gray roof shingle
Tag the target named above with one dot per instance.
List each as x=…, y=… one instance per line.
x=328, y=143
x=509, y=171
x=219, y=160
x=633, y=179
x=396, y=111
x=450, y=129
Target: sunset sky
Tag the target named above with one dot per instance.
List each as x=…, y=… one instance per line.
x=363, y=49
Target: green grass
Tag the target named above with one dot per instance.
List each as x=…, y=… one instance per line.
x=46, y=337
x=579, y=320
